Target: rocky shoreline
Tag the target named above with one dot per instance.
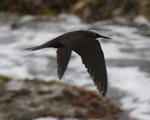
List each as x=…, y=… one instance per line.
x=29, y=99
x=88, y=11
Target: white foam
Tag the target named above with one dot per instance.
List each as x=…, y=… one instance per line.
x=137, y=86
x=141, y=20
x=46, y=118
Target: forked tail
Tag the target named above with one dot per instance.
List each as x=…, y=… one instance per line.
x=35, y=48
x=45, y=45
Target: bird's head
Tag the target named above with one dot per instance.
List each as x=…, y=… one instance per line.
x=93, y=34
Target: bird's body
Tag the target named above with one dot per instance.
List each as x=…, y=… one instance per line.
x=85, y=44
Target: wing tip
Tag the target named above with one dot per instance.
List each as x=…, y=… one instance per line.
x=103, y=93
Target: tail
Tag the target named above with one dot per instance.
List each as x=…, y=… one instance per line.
x=45, y=45
x=35, y=48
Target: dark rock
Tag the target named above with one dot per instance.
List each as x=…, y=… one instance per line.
x=31, y=99
x=93, y=10
x=88, y=11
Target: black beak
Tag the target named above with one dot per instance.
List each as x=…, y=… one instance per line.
x=100, y=36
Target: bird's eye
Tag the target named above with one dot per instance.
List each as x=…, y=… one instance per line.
x=97, y=35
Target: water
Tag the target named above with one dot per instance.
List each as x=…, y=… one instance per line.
x=127, y=56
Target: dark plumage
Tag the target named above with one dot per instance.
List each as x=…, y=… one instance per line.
x=85, y=44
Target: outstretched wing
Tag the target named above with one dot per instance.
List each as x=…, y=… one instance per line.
x=95, y=64
x=92, y=56
x=63, y=56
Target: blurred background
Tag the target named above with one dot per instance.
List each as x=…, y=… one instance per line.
x=26, y=23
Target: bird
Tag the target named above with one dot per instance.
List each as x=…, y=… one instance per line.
x=85, y=44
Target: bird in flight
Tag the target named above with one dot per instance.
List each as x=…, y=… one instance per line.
x=85, y=44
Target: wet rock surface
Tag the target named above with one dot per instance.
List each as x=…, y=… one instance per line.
x=30, y=99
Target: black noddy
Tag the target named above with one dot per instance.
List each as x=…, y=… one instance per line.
x=85, y=44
